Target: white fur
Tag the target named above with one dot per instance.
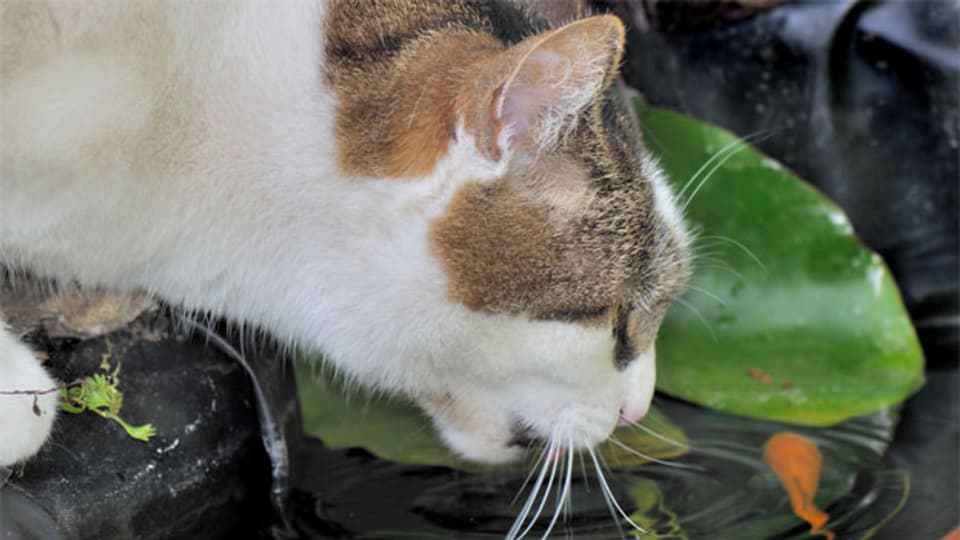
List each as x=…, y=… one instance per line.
x=22, y=431
x=190, y=154
x=665, y=202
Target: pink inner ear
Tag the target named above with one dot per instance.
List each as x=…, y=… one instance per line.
x=561, y=75
x=553, y=85
x=540, y=83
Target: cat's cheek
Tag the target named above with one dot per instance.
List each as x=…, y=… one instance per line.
x=480, y=449
x=472, y=435
x=640, y=379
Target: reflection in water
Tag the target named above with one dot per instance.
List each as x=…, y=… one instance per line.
x=723, y=490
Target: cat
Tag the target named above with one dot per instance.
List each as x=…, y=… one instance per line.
x=449, y=200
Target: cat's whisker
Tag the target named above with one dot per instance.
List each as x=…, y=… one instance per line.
x=608, y=494
x=719, y=264
x=686, y=260
x=554, y=446
x=709, y=294
x=699, y=251
x=716, y=155
x=525, y=511
x=724, y=154
x=583, y=471
x=568, y=507
x=708, y=176
x=606, y=499
x=565, y=491
x=747, y=251
x=533, y=470
x=641, y=455
x=699, y=315
x=663, y=438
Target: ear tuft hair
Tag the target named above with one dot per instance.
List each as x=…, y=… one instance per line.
x=562, y=73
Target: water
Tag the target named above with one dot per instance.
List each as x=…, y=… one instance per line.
x=723, y=491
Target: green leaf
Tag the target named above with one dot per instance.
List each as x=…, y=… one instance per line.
x=141, y=433
x=789, y=317
x=394, y=429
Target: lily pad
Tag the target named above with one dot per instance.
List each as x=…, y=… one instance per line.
x=396, y=430
x=788, y=317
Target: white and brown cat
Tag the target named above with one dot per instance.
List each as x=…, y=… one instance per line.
x=448, y=199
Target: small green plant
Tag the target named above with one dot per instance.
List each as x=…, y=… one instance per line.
x=98, y=393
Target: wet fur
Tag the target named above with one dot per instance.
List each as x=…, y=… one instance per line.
x=447, y=199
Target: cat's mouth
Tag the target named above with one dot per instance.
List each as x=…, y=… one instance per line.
x=523, y=437
x=506, y=437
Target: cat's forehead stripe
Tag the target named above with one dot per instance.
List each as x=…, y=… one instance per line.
x=506, y=250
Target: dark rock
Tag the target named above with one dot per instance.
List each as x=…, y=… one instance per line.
x=204, y=475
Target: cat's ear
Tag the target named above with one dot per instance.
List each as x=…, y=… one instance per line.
x=541, y=84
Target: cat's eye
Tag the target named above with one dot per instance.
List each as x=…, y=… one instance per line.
x=577, y=314
x=623, y=351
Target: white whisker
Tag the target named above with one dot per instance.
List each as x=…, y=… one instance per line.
x=719, y=264
x=526, y=481
x=546, y=493
x=705, y=165
x=568, y=507
x=662, y=437
x=725, y=153
x=709, y=294
x=608, y=494
x=740, y=245
x=525, y=511
x=583, y=471
x=606, y=499
x=699, y=315
x=709, y=174
x=565, y=491
x=641, y=455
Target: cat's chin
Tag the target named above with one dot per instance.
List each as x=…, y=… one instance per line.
x=497, y=437
x=481, y=449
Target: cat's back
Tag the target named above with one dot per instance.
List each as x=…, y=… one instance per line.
x=148, y=86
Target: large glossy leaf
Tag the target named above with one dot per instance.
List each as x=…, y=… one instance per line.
x=394, y=429
x=789, y=317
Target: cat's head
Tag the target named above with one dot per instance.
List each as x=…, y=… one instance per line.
x=557, y=241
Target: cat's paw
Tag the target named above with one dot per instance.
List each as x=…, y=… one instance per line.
x=25, y=419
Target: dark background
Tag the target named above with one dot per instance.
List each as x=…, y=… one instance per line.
x=861, y=99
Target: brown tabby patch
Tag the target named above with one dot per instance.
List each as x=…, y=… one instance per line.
x=398, y=67
x=502, y=253
x=598, y=256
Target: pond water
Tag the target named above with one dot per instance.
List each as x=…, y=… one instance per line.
x=721, y=488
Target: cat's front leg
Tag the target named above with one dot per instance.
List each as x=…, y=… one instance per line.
x=27, y=406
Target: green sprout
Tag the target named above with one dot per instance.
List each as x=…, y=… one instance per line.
x=99, y=394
